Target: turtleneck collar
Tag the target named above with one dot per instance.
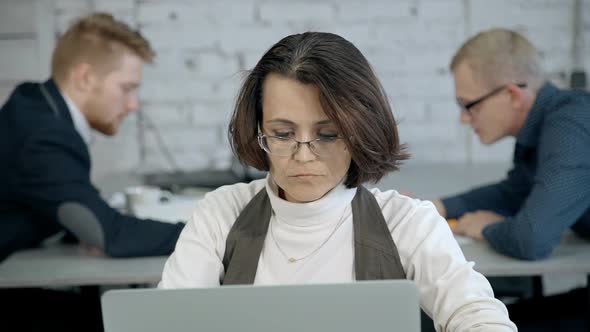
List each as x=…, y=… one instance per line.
x=326, y=209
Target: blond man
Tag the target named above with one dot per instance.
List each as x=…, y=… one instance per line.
x=45, y=129
x=502, y=92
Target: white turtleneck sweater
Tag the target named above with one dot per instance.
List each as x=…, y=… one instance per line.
x=321, y=232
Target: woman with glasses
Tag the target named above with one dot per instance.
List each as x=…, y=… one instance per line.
x=313, y=114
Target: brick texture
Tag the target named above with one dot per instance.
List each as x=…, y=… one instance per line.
x=205, y=46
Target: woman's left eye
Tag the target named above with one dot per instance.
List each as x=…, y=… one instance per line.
x=327, y=136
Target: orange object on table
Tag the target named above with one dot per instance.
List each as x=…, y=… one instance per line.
x=452, y=223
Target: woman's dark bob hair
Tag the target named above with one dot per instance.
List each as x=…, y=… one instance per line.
x=350, y=95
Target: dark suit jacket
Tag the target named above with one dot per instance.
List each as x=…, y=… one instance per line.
x=45, y=183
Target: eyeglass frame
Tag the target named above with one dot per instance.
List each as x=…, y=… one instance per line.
x=468, y=106
x=260, y=136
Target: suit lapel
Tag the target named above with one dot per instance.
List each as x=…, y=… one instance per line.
x=55, y=100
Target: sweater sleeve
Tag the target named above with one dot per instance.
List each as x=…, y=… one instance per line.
x=197, y=258
x=54, y=181
x=451, y=292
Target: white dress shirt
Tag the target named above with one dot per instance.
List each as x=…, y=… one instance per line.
x=80, y=122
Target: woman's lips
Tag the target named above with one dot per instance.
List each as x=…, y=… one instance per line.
x=305, y=176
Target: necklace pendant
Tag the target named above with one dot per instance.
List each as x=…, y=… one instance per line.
x=292, y=260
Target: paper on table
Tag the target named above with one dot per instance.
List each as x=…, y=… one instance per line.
x=463, y=239
x=178, y=208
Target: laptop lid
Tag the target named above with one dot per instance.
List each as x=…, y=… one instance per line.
x=387, y=305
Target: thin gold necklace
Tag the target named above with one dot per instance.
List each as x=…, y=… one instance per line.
x=292, y=259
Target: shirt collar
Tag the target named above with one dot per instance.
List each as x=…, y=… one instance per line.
x=529, y=134
x=80, y=122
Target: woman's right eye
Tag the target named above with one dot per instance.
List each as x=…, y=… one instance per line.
x=283, y=134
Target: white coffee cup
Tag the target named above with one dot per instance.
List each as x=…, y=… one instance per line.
x=144, y=195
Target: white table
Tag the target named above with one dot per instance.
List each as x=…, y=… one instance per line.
x=70, y=265
x=572, y=256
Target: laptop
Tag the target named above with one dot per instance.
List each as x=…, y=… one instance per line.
x=386, y=305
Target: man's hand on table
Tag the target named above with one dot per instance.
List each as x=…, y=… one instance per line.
x=472, y=224
x=92, y=250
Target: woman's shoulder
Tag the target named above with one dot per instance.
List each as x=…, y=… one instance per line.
x=416, y=228
x=232, y=197
x=398, y=208
x=219, y=209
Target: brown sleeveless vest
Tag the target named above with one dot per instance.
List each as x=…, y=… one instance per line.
x=375, y=254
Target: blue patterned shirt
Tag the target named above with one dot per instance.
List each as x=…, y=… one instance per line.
x=548, y=189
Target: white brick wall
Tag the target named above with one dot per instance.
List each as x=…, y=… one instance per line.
x=586, y=36
x=203, y=47
x=297, y=11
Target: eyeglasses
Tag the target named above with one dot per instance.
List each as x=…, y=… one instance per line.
x=468, y=106
x=287, y=146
